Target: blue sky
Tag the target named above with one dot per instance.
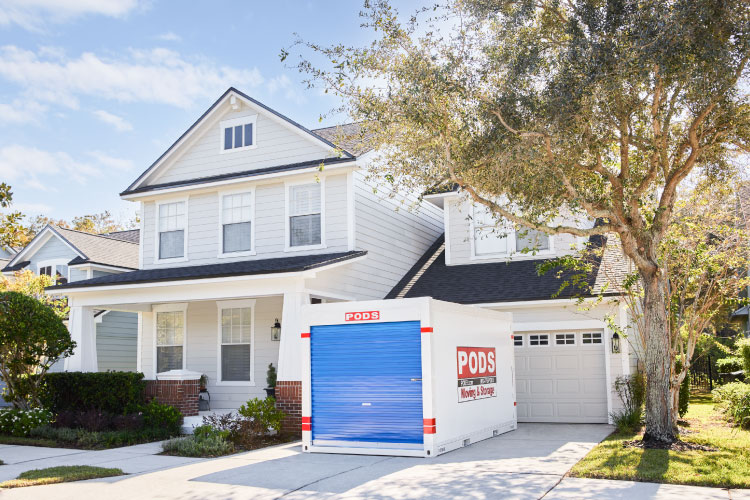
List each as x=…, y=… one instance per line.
x=92, y=92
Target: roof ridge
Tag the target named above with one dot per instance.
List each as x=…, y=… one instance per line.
x=95, y=234
x=340, y=125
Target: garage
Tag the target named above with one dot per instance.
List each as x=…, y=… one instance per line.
x=561, y=376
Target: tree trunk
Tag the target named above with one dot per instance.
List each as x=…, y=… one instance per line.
x=659, y=405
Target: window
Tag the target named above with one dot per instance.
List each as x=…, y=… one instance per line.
x=305, y=215
x=532, y=240
x=238, y=134
x=565, y=338
x=236, y=342
x=170, y=340
x=591, y=338
x=539, y=339
x=236, y=223
x=488, y=238
x=172, y=230
x=518, y=340
x=57, y=271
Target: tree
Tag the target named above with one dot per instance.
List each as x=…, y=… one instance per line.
x=552, y=114
x=32, y=338
x=31, y=284
x=98, y=223
x=11, y=230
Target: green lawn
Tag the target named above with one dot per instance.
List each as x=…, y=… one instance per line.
x=728, y=467
x=61, y=474
x=32, y=441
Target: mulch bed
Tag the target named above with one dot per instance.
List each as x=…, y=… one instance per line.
x=676, y=446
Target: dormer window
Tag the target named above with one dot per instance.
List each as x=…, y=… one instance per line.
x=238, y=134
x=493, y=239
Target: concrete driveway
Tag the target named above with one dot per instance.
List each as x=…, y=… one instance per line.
x=527, y=463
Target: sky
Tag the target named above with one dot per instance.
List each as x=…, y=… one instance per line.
x=93, y=91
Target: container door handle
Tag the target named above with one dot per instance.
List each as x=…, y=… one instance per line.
x=416, y=380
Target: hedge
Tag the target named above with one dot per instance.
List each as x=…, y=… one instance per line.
x=118, y=393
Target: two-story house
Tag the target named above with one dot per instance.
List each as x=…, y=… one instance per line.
x=244, y=219
x=567, y=356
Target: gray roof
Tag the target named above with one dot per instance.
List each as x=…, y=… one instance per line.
x=101, y=249
x=131, y=235
x=350, y=137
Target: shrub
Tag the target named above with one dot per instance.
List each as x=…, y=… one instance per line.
x=32, y=338
x=271, y=376
x=733, y=400
x=117, y=393
x=206, y=445
x=160, y=416
x=743, y=350
x=20, y=423
x=253, y=420
x=729, y=365
x=632, y=393
x=82, y=438
x=263, y=414
x=204, y=431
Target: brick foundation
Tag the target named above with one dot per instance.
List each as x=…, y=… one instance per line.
x=289, y=400
x=182, y=394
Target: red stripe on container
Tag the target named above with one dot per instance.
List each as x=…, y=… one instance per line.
x=511, y=336
x=306, y=427
x=430, y=429
x=514, y=403
x=428, y=421
x=306, y=420
x=427, y=329
x=305, y=335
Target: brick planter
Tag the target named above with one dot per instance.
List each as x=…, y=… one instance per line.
x=182, y=394
x=289, y=400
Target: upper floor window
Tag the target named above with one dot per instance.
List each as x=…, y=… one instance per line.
x=305, y=215
x=236, y=222
x=491, y=238
x=171, y=228
x=238, y=133
x=56, y=271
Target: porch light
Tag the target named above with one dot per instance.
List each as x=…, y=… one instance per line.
x=276, y=330
x=615, y=343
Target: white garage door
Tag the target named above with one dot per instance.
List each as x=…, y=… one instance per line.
x=560, y=377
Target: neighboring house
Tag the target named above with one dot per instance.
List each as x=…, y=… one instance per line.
x=71, y=256
x=247, y=217
x=565, y=366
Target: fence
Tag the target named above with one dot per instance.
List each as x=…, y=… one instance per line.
x=701, y=374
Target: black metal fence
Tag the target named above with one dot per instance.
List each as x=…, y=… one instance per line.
x=702, y=376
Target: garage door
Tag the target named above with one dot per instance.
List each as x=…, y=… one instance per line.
x=366, y=384
x=560, y=377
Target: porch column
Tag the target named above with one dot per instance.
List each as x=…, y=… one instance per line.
x=82, y=327
x=289, y=373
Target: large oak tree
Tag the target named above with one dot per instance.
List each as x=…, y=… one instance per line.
x=593, y=109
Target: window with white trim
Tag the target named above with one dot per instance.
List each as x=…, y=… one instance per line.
x=565, y=338
x=238, y=134
x=539, y=339
x=170, y=340
x=518, y=340
x=172, y=230
x=305, y=215
x=532, y=240
x=488, y=238
x=236, y=222
x=591, y=338
x=236, y=344
x=58, y=272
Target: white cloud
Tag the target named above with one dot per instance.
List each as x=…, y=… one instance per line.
x=170, y=36
x=119, y=123
x=42, y=170
x=20, y=111
x=291, y=93
x=105, y=160
x=156, y=75
x=31, y=208
x=34, y=14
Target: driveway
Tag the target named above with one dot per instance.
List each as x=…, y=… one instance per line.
x=527, y=463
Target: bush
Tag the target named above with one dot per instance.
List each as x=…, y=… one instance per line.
x=263, y=414
x=92, y=440
x=729, y=365
x=632, y=393
x=743, y=350
x=192, y=446
x=117, y=393
x=733, y=400
x=32, y=338
x=159, y=416
x=20, y=423
x=255, y=419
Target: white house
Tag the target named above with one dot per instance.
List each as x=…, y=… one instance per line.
x=565, y=364
x=244, y=219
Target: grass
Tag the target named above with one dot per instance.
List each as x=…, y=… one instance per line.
x=32, y=441
x=61, y=474
x=728, y=467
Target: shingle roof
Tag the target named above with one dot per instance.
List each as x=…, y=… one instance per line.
x=350, y=137
x=101, y=249
x=505, y=281
x=242, y=268
x=131, y=235
x=15, y=267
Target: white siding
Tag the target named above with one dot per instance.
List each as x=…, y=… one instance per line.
x=53, y=248
x=203, y=224
x=276, y=145
x=78, y=275
x=116, y=338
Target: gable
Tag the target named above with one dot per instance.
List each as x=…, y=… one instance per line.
x=52, y=249
x=199, y=153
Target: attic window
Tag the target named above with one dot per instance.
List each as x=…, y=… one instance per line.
x=238, y=134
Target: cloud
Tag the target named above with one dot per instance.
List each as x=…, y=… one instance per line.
x=42, y=170
x=20, y=111
x=169, y=36
x=119, y=123
x=155, y=76
x=31, y=208
x=105, y=160
x=34, y=14
x=291, y=93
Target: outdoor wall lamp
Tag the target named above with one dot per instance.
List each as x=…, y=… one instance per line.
x=615, y=343
x=276, y=330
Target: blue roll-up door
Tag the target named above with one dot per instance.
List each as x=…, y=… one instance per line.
x=366, y=382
